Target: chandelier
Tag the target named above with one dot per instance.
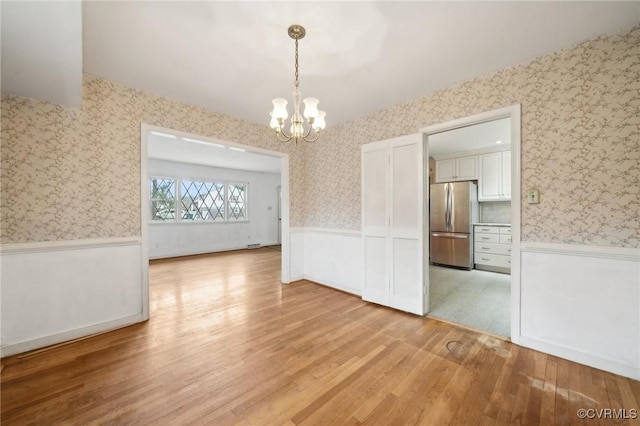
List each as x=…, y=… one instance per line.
x=314, y=117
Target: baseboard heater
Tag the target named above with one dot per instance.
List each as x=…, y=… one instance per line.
x=253, y=246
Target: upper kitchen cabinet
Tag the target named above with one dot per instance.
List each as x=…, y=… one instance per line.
x=456, y=169
x=494, y=181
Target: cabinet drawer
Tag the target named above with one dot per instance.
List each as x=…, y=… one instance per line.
x=493, y=260
x=487, y=229
x=505, y=239
x=505, y=230
x=487, y=238
x=490, y=248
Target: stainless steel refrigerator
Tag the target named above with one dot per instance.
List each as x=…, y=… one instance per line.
x=453, y=210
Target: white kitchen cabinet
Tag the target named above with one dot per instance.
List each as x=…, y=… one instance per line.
x=494, y=177
x=492, y=248
x=392, y=224
x=457, y=169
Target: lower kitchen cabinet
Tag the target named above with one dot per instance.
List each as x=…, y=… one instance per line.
x=492, y=248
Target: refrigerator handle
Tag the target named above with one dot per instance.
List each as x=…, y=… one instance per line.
x=452, y=207
x=453, y=236
x=448, y=207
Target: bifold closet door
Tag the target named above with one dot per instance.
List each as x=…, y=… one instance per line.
x=392, y=223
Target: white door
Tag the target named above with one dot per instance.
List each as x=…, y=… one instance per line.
x=375, y=221
x=393, y=223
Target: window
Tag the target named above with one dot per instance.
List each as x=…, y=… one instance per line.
x=202, y=200
x=237, y=193
x=197, y=201
x=163, y=199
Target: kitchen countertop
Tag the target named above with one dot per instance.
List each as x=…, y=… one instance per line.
x=491, y=224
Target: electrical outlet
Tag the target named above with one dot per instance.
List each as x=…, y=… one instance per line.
x=533, y=197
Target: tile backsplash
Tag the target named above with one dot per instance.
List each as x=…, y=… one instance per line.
x=495, y=212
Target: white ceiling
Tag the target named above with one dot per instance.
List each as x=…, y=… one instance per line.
x=41, y=45
x=477, y=136
x=208, y=153
x=234, y=57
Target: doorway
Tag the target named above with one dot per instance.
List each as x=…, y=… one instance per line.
x=482, y=299
x=232, y=150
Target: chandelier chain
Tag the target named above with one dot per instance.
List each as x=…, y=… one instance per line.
x=297, y=82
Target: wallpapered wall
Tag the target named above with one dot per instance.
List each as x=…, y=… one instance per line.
x=580, y=143
x=72, y=174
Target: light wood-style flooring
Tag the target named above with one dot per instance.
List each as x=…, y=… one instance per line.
x=228, y=344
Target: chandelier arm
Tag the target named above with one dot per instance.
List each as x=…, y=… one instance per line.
x=280, y=133
x=306, y=135
x=314, y=139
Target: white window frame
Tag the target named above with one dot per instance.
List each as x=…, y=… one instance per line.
x=178, y=181
x=246, y=201
x=203, y=181
x=150, y=198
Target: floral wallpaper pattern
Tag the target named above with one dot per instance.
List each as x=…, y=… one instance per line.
x=580, y=143
x=73, y=174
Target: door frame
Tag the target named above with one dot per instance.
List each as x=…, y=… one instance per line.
x=145, y=206
x=512, y=112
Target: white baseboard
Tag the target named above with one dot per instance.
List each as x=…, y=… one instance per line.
x=581, y=357
x=66, y=336
x=181, y=253
x=324, y=283
x=334, y=285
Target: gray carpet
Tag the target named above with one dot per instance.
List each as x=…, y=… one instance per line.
x=477, y=299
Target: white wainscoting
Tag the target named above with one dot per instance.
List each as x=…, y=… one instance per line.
x=186, y=239
x=582, y=303
x=329, y=257
x=58, y=291
x=296, y=254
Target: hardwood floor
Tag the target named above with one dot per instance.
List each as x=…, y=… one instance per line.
x=228, y=344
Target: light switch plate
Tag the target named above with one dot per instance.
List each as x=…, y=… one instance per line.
x=533, y=197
